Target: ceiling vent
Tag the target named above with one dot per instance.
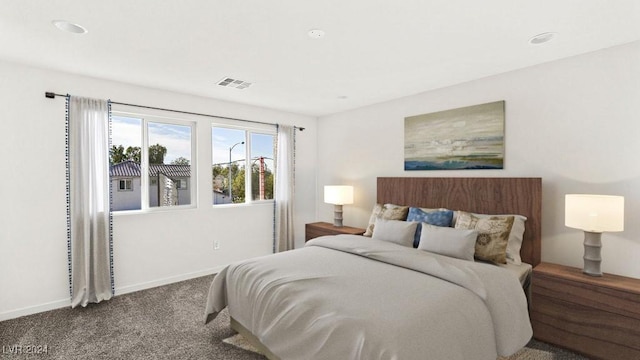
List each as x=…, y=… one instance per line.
x=234, y=83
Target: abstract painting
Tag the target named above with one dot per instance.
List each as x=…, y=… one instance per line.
x=471, y=137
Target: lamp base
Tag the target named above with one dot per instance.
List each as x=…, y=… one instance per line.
x=592, y=259
x=337, y=215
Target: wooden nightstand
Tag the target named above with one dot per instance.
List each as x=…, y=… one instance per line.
x=314, y=230
x=596, y=316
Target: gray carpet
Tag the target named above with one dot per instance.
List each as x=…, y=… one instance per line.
x=161, y=323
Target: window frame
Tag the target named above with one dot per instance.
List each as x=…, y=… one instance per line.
x=145, y=183
x=249, y=129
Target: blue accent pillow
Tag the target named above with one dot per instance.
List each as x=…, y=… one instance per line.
x=436, y=217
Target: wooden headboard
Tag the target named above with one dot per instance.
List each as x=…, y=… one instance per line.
x=522, y=196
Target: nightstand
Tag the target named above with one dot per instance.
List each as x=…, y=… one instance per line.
x=596, y=316
x=317, y=229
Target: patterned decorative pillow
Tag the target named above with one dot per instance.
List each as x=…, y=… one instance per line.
x=493, y=235
x=437, y=217
x=515, y=238
x=387, y=212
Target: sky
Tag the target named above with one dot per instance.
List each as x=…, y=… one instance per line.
x=225, y=138
x=127, y=131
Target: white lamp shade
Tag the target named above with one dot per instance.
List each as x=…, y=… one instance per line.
x=594, y=213
x=338, y=194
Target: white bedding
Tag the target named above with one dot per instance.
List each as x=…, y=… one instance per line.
x=351, y=297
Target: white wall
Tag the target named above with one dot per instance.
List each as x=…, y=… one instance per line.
x=575, y=123
x=149, y=249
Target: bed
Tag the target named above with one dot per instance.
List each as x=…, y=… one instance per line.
x=353, y=297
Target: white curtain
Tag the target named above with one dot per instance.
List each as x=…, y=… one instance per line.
x=284, y=188
x=88, y=201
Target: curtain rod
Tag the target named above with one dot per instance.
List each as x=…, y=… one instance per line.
x=52, y=95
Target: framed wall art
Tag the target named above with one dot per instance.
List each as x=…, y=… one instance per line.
x=471, y=137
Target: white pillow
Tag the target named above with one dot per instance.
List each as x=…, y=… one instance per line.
x=386, y=211
x=457, y=243
x=515, y=236
x=395, y=231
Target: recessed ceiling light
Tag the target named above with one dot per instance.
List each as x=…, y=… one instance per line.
x=542, y=38
x=64, y=25
x=316, y=34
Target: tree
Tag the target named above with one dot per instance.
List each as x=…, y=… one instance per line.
x=180, y=161
x=133, y=153
x=118, y=154
x=255, y=182
x=238, y=184
x=156, y=154
x=220, y=175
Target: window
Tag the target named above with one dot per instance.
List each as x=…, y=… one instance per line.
x=182, y=184
x=159, y=148
x=125, y=185
x=234, y=150
x=169, y=149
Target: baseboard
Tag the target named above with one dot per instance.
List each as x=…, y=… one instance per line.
x=166, y=281
x=30, y=310
x=58, y=304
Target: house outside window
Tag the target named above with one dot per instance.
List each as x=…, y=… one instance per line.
x=163, y=149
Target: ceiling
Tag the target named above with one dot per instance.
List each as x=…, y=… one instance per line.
x=372, y=51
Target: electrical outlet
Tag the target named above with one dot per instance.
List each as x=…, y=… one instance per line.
x=216, y=244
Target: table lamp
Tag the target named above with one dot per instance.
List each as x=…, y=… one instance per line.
x=594, y=214
x=338, y=195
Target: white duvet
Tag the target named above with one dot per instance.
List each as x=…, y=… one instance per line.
x=351, y=297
